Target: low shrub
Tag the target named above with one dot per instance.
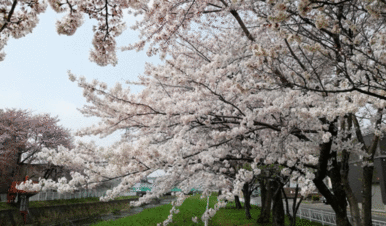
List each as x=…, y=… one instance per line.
x=315, y=198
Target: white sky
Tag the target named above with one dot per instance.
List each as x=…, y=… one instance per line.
x=34, y=73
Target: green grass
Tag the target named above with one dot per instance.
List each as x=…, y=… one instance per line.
x=6, y=206
x=32, y=204
x=194, y=206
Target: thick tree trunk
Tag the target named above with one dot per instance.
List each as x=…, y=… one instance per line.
x=339, y=204
x=277, y=208
x=367, y=170
x=338, y=198
x=354, y=208
x=341, y=218
x=238, y=203
x=247, y=200
x=266, y=195
x=366, y=185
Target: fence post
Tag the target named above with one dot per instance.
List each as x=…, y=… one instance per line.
x=301, y=213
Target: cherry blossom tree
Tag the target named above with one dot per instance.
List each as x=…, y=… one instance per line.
x=160, y=137
x=17, y=19
x=332, y=49
x=177, y=120
x=22, y=137
x=283, y=81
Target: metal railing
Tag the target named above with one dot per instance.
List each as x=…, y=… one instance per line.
x=325, y=217
x=320, y=216
x=378, y=223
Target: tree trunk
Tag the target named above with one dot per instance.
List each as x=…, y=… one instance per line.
x=366, y=185
x=248, y=196
x=237, y=201
x=29, y=216
x=263, y=192
x=247, y=200
x=287, y=207
x=266, y=195
x=367, y=170
x=338, y=198
x=277, y=208
x=354, y=208
x=341, y=218
x=295, y=206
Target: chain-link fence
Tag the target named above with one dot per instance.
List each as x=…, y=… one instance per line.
x=51, y=195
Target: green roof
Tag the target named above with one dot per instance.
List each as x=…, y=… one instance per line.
x=142, y=189
x=176, y=189
x=145, y=189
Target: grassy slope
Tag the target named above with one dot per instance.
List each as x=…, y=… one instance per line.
x=191, y=207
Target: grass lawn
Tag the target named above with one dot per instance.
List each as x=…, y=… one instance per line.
x=194, y=206
x=4, y=205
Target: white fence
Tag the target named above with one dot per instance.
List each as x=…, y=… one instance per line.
x=50, y=195
x=325, y=217
x=321, y=216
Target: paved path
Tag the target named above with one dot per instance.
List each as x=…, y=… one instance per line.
x=381, y=216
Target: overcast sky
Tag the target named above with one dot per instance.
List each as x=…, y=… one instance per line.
x=34, y=72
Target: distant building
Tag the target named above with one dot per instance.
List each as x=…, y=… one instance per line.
x=379, y=176
x=147, y=185
x=290, y=192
